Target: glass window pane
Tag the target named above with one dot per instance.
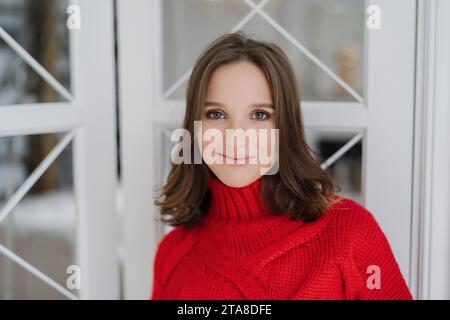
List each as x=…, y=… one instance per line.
x=333, y=30
x=39, y=26
x=42, y=228
x=188, y=27
x=346, y=171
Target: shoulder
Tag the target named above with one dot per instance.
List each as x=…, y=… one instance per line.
x=360, y=236
x=171, y=239
x=168, y=243
x=352, y=212
x=354, y=222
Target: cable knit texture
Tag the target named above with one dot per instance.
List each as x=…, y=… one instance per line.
x=242, y=250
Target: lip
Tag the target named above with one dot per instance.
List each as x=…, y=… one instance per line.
x=245, y=159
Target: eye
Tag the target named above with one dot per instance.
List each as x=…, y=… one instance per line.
x=215, y=115
x=260, y=115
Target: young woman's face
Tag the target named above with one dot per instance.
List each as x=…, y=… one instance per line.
x=238, y=97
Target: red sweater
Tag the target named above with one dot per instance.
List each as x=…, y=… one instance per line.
x=242, y=251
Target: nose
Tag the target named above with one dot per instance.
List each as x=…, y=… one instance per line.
x=235, y=123
x=237, y=141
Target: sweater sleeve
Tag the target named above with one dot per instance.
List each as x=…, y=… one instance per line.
x=163, y=250
x=158, y=258
x=379, y=274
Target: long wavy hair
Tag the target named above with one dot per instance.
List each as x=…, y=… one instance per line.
x=301, y=188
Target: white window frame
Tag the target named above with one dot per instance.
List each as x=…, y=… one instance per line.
x=90, y=116
x=431, y=202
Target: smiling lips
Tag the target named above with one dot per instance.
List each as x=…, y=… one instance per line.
x=235, y=160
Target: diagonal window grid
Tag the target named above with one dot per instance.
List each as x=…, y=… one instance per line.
x=258, y=8
x=18, y=195
x=35, y=65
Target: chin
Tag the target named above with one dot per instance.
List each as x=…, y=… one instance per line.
x=237, y=177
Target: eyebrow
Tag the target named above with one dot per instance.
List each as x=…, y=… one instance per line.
x=262, y=104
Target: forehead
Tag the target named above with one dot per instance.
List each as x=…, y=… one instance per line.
x=238, y=82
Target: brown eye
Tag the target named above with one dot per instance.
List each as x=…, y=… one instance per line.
x=260, y=115
x=215, y=115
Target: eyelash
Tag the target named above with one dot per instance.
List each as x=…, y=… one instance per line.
x=267, y=115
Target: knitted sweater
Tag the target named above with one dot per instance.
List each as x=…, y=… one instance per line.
x=243, y=251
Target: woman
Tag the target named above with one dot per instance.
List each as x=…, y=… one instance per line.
x=252, y=231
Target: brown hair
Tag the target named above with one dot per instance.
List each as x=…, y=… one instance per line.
x=300, y=188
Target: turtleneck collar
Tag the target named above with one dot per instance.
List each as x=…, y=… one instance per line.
x=239, y=221
x=234, y=204
x=238, y=224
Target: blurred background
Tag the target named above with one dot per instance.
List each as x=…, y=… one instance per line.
x=86, y=113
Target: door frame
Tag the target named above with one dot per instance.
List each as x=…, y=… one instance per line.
x=90, y=116
x=430, y=254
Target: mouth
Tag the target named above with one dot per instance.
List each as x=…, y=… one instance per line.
x=236, y=161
